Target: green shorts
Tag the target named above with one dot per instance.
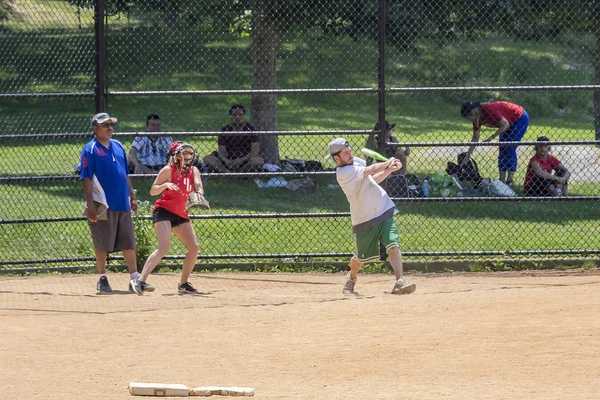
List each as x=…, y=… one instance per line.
x=366, y=244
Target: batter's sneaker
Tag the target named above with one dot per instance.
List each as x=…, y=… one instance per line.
x=136, y=287
x=146, y=287
x=186, y=288
x=103, y=285
x=349, y=285
x=403, y=287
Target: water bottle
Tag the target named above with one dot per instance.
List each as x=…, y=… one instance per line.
x=425, y=188
x=558, y=191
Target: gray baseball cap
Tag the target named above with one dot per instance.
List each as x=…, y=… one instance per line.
x=337, y=145
x=101, y=118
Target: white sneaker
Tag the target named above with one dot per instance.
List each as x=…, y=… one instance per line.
x=136, y=287
x=403, y=287
x=349, y=285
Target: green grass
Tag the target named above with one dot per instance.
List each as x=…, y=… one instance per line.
x=423, y=227
x=45, y=50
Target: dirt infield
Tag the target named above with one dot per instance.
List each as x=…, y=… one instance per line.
x=294, y=336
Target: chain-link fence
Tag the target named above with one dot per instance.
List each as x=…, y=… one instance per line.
x=306, y=72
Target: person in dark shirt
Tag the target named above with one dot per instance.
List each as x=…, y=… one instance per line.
x=236, y=153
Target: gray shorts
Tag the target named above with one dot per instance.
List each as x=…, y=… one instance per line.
x=114, y=234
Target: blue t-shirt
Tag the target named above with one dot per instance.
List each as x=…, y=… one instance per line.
x=108, y=170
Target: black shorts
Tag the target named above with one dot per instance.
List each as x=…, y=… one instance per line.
x=540, y=186
x=161, y=214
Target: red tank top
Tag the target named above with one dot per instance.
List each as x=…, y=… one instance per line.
x=174, y=200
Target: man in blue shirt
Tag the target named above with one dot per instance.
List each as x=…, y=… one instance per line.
x=109, y=199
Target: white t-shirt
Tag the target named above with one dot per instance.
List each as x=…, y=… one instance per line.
x=368, y=201
x=152, y=154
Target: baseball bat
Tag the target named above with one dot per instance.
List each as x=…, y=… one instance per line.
x=373, y=154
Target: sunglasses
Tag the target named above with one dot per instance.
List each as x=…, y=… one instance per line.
x=107, y=125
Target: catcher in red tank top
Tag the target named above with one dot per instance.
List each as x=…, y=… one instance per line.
x=175, y=182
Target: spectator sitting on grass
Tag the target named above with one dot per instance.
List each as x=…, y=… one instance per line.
x=540, y=181
x=236, y=153
x=148, y=154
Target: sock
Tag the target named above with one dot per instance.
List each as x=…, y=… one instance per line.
x=134, y=275
x=101, y=275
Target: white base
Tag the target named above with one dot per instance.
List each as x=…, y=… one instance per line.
x=207, y=391
x=158, y=389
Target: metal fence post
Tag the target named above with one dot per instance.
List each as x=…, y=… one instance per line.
x=382, y=17
x=101, y=56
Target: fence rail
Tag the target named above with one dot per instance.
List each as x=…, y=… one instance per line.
x=308, y=72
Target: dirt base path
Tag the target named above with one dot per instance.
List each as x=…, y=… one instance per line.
x=294, y=336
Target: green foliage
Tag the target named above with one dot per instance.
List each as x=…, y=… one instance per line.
x=376, y=268
x=274, y=268
x=6, y=9
x=144, y=232
x=478, y=267
x=589, y=265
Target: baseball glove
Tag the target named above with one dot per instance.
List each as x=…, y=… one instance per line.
x=196, y=199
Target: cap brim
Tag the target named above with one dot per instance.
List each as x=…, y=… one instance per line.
x=111, y=119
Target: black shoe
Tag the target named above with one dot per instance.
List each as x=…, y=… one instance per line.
x=103, y=285
x=186, y=288
x=146, y=287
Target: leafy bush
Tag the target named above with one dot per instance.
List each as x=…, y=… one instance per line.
x=144, y=232
x=6, y=9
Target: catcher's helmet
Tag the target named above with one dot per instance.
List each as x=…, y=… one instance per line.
x=183, y=155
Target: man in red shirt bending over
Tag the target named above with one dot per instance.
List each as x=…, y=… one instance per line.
x=511, y=121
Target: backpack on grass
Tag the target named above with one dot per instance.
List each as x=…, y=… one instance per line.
x=467, y=172
x=397, y=185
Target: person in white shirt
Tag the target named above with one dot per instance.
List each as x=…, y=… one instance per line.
x=148, y=154
x=371, y=211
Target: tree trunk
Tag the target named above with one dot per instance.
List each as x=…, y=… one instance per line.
x=597, y=69
x=264, y=106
